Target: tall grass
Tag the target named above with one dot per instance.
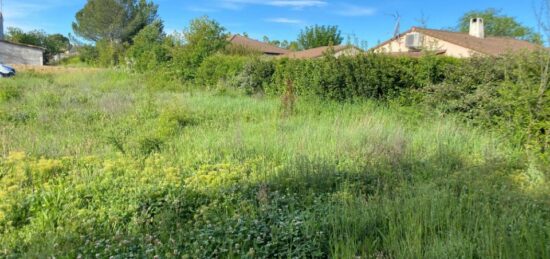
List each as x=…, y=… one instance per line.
x=103, y=164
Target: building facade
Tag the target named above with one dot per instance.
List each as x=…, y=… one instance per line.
x=18, y=54
x=453, y=44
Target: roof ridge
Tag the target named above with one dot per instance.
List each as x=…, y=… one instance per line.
x=22, y=44
x=257, y=44
x=467, y=34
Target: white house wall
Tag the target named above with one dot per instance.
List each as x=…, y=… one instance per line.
x=20, y=55
x=429, y=43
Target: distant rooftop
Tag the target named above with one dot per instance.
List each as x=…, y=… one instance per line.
x=257, y=45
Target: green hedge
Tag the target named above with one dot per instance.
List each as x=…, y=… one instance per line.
x=363, y=77
x=219, y=68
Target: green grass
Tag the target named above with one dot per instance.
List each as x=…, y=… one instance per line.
x=100, y=164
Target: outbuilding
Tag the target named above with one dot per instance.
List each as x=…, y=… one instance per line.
x=19, y=54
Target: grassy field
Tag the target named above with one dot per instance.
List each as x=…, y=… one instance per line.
x=98, y=164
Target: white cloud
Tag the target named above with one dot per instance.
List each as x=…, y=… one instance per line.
x=199, y=9
x=285, y=20
x=355, y=11
x=295, y=4
x=28, y=8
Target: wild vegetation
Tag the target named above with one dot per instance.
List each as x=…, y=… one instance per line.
x=107, y=163
x=186, y=147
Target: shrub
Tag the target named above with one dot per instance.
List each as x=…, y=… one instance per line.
x=173, y=119
x=505, y=93
x=219, y=68
x=362, y=77
x=148, y=50
x=255, y=76
x=109, y=53
x=88, y=54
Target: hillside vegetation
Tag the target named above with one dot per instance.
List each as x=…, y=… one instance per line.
x=107, y=163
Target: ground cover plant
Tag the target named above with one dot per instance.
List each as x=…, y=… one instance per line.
x=106, y=163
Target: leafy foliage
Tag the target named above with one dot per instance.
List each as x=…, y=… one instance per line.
x=52, y=43
x=203, y=37
x=148, y=50
x=498, y=24
x=319, y=36
x=113, y=20
x=219, y=69
x=126, y=170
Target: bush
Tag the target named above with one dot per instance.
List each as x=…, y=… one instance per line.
x=504, y=93
x=88, y=54
x=219, y=68
x=109, y=53
x=148, y=50
x=255, y=76
x=362, y=77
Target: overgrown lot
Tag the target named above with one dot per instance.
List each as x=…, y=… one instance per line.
x=103, y=164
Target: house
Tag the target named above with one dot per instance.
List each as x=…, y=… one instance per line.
x=337, y=51
x=19, y=54
x=262, y=47
x=461, y=45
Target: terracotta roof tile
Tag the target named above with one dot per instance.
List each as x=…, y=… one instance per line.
x=257, y=45
x=489, y=45
x=314, y=53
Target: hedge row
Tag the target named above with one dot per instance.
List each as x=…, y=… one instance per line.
x=369, y=76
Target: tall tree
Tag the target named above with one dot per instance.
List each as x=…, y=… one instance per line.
x=148, y=49
x=114, y=20
x=202, y=38
x=205, y=35
x=498, y=24
x=318, y=36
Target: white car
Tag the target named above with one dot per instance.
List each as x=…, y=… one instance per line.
x=6, y=71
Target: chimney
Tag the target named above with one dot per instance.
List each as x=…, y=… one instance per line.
x=477, y=28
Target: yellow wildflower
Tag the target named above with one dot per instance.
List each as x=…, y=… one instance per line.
x=16, y=156
x=47, y=166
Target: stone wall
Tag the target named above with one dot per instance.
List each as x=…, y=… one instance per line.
x=14, y=54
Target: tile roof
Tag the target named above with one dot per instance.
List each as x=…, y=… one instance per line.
x=489, y=45
x=493, y=46
x=315, y=52
x=23, y=45
x=257, y=45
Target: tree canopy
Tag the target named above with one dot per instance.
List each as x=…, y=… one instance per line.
x=498, y=24
x=205, y=35
x=318, y=36
x=53, y=43
x=114, y=20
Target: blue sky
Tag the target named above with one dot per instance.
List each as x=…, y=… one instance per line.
x=369, y=20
